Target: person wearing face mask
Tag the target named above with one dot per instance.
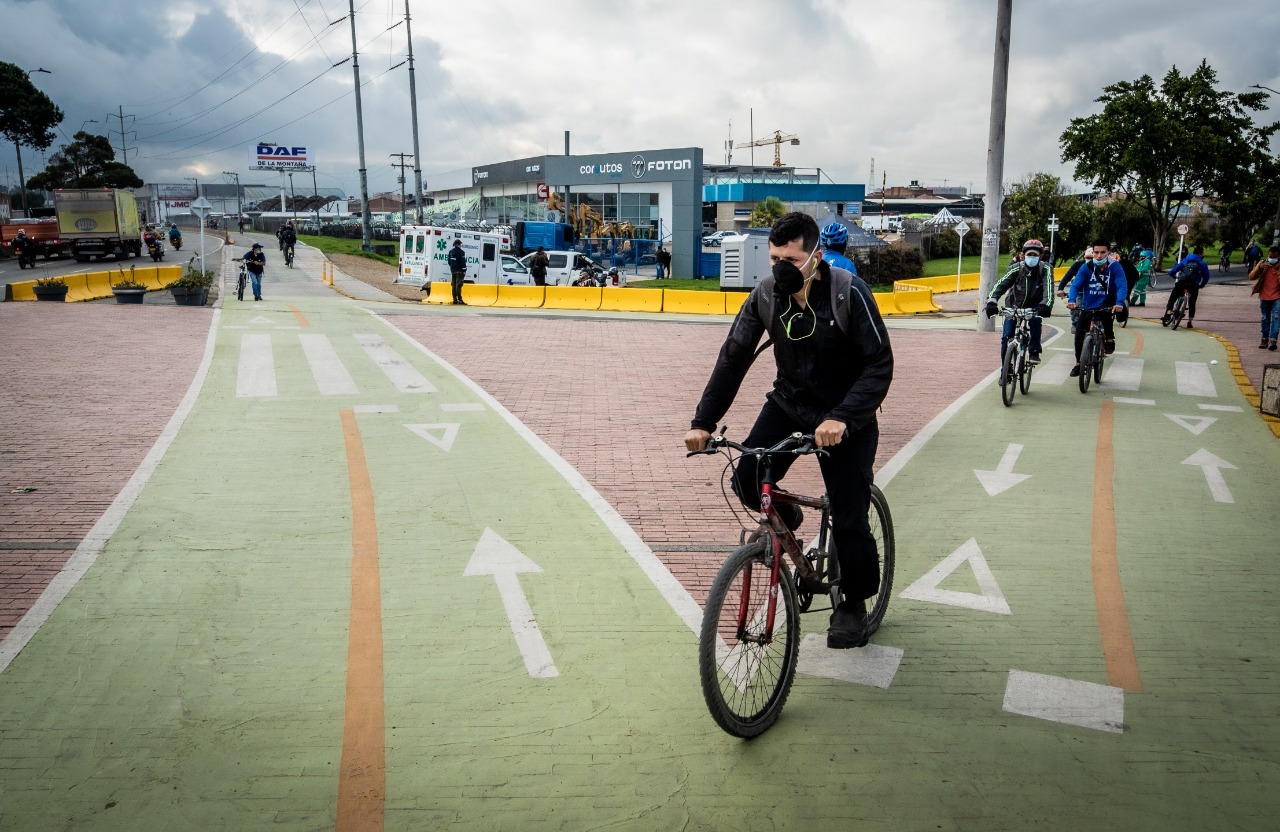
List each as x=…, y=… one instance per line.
x=1099, y=291
x=1266, y=285
x=834, y=367
x=1191, y=273
x=1027, y=285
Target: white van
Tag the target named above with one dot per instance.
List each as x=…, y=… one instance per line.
x=424, y=256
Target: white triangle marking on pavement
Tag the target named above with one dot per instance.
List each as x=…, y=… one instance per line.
x=262, y=320
x=990, y=599
x=1196, y=424
x=444, y=440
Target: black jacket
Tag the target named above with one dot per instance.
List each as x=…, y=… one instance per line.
x=457, y=259
x=1027, y=287
x=827, y=375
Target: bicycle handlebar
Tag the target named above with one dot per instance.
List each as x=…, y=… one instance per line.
x=1026, y=314
x=798, y=444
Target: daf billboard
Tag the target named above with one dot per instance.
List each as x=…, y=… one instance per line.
x=272, y=156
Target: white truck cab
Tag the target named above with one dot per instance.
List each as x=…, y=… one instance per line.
x=424, y=256
x=562, y=266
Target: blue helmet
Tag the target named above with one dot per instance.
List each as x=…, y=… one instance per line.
x=834, y=234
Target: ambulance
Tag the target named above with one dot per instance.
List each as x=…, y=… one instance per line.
x=424, y=256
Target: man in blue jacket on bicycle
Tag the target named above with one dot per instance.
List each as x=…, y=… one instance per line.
x=1191, y=274
x=835, y=239
x=1099, y=290
x=834, y=368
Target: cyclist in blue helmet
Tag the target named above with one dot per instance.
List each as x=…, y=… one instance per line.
x=834, y=238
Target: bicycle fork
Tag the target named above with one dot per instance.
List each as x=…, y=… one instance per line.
x=744, y=603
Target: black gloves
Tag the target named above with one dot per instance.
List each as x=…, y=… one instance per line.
x=992, y=309
x=1043, y=311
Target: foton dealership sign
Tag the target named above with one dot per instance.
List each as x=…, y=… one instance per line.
x=269, y=156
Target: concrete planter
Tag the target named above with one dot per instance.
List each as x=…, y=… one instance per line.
x=57, y=294
x=183, y=296
x=129, y=295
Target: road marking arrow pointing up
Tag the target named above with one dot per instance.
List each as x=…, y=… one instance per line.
x=1003, y=478
x=495, y=556
x=1212, y=467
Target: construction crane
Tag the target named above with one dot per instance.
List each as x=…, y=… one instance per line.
x=776, y=140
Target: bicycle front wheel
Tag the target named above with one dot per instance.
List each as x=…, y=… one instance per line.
x=1086, y=363
x=746, y=673
x=881, y=523
x=1100, y=355
x=1024, y=373
x=240, y=287
x=1009, y=375
x=1179, y=309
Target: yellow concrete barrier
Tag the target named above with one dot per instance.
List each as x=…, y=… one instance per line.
x=911, y=302
x=148, y=276
x=475, y=294
x=25, y=290
x=691, y=302
x=520, y=297
x=167, y=274
x=572, y=297
x=77, y=287
x=733, y=301
x=616, y=299
x=441, y=294
x=99, y=285
x=885, y=303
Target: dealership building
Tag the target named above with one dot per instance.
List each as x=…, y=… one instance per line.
x=666, y=194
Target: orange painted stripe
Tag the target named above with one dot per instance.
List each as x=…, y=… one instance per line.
x=362, y=778
x=297, y=313
x=1137, y=347
x=1108, y=590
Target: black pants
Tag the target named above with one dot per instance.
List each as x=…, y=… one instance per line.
x=847, y=474
x=458, y=277
x=1177, y=293
x=1082, y=327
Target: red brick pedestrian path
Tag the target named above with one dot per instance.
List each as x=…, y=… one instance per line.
x=614, y=399
x=85, y=391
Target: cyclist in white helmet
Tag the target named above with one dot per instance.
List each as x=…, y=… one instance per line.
x=834, y=238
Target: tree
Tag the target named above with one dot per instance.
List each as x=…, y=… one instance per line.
x=766, y=212
x=27, y=116
x=1255, y=209
x=88, y=161
x=1122, y=221
x=1033, y=201
x=1161, y=146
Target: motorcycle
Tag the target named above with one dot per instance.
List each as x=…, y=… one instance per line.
x=155, y=250
x=27, y=258
x=590, y=276
x=176, y=242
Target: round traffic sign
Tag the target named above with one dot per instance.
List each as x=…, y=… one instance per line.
x=1183, y=229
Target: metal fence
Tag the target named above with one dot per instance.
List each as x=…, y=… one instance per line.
x=635, y=257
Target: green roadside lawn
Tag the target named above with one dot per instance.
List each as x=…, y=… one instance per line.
x=340, y=245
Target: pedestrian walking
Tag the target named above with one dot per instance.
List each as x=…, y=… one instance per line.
x=664, y=262
x=458, y=268
x=1143, y=265
x=1266, y=285
x=538, y=266
x=256, y=262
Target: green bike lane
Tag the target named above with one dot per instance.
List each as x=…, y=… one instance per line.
x=196, y=678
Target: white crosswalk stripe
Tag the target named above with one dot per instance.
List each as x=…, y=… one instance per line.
x=1194, y=379
x=1055, y=370
x=257, y=371
x=330, y=374
x=1123, y=374
x=401, y=373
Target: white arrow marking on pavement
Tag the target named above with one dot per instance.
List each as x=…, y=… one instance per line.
x=1212, y=465
x=1003, y=478
x=444, y=441
x=1195, y=424
x=990, y=599
x=261, y=320
x=495, y=556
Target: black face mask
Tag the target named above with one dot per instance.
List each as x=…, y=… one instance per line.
x=787, y=277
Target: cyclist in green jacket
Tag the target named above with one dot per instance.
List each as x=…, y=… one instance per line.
x=1027, y=285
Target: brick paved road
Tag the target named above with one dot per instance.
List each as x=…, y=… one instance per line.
x=86, y=390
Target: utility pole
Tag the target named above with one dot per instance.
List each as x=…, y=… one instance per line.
x=992, y=201
x=400, y=179
x=315, y=192
x=413, y=110
x=124, y=149
x=366, y=226
x=239, y=202
x=293, y=197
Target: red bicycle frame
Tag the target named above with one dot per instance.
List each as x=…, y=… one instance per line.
x=784, y=541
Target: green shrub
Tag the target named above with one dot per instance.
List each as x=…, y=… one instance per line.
x=896, y=261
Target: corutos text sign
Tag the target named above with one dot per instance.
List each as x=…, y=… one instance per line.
x=269, y=156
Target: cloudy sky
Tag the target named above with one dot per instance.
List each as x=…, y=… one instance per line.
x=905, y=83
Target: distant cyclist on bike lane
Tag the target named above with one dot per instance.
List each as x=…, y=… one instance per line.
x=1192, y=273
x=288, y=237
x=256, y=262
x=1027, y=285
x=834, y=369
x=835, y=239
x=1098, y=291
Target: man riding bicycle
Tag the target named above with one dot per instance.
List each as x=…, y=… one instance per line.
x=1027, y=285
x=1099, y=290
x=288, y=239
x=1192, y=274
x=834, y=369
x=835, y=239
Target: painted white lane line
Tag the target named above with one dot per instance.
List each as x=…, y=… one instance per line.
x=1069, y=701
x=1126, y=400
x=1194, y=379
x=1212, y=467
x=1003, y=478
x=1123, y=374
x=1195, y=424
x=1056, y=370
x=461, y=407
x=376, y=408
x=401, y=373
x=1225, y=408
x=874, y=665
x=93, y=543
x=256, y=376
x=332, y=378
x=445, y=437
x=988, y=599
x=496, y=557
x=654, y=569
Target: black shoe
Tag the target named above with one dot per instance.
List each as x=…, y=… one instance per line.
x=1189, y=326
x=1109, y=345
x=792, y=515
x=1075, y=371
x=1034, y=359
x=848, y=626
x=1166, y=319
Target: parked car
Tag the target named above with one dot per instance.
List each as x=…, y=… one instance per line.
x=515, y=272
x=717, y=238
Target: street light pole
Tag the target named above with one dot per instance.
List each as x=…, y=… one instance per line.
x=366, y=227
x=315, y=192
x=239, y=203
x=995, y=159
x=413, y=110
x=293, y=198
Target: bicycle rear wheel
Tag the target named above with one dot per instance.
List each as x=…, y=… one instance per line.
x=745, y=682
x=1008, y=375
x=1179, y=309
x=240, y=286
x=881, y=523
x=1086, y=362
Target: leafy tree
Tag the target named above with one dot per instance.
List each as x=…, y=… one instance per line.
x=1031, y=202
x=88, y=161
x=766, y=212
x=1253, y=211
x=1121, y=221
x=27, y=116
x=1161, y=145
